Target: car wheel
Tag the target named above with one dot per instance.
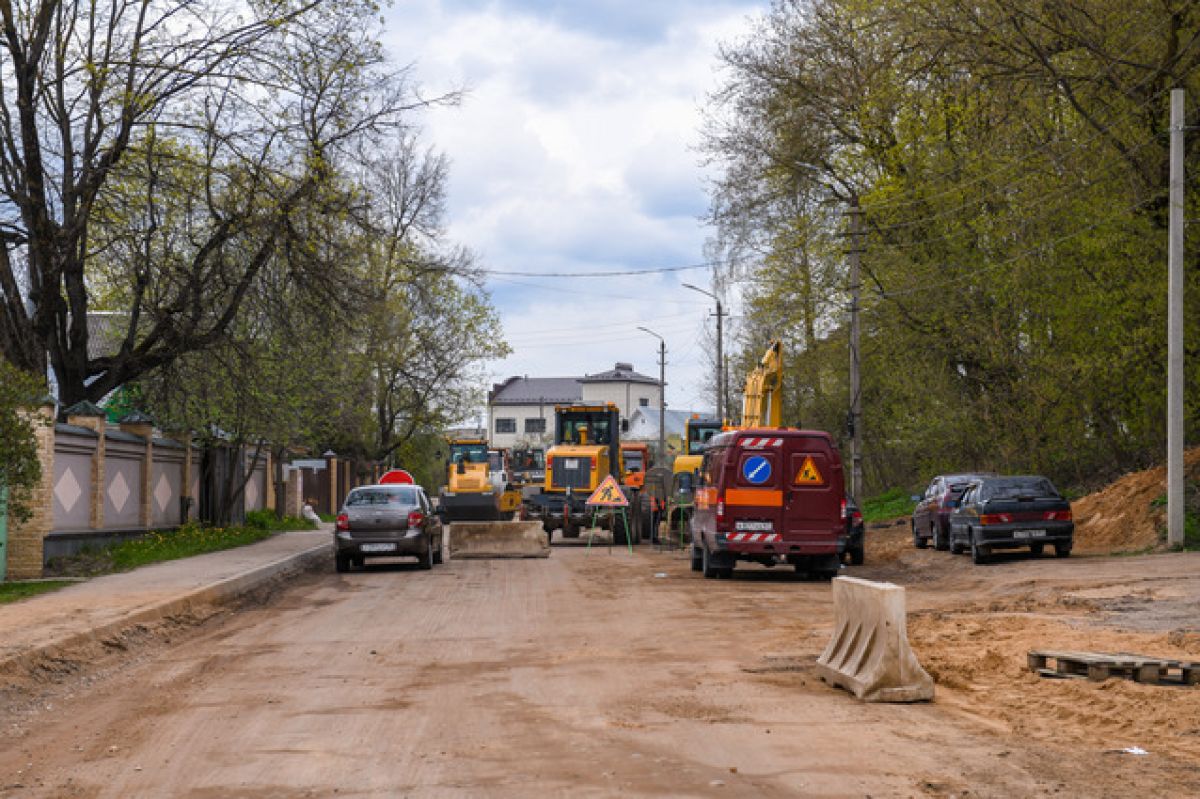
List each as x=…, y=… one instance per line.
x=706, y=566
x=1062, y=550
x=956, y=547
x=697, y=559
x=979, y=553
x=918, y=541
x=1037, y=549
x=342, y=562
x=425, y=560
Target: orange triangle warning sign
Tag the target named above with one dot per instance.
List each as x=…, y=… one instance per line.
x=608, y=494
x=809, y=475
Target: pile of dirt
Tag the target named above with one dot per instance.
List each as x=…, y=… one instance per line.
x=1124, y=516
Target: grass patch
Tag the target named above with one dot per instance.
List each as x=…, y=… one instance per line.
x=889, y=505
x=162, y=545
x=12, y=592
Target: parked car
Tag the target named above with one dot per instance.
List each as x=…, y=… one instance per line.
x=930, y=518
x=769, y=496
x=387, y=521
x=1011, y=513
x=855, y=531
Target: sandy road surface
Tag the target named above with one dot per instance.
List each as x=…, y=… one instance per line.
x=587, y=674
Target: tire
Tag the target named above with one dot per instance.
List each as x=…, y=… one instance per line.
x=1037, y=549
x=856, y=556
x=697, y=559
x=939, y=543
x=706, y=567
x=341, y=563
x=1062, y=550
x=425, y=561
x=918, y=542
x=979, y=553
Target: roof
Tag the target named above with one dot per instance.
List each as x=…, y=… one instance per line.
x=620, y=373
x=536, y=390
x=643, y=424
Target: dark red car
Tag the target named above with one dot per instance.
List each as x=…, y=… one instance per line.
x=931, y=517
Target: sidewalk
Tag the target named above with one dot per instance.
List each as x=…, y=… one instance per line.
x=103, y=607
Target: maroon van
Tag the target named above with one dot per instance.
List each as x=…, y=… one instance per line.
x=770, y=496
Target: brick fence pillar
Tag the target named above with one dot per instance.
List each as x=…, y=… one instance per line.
x=25, y=539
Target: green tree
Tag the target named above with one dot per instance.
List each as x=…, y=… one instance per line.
x=20, y=468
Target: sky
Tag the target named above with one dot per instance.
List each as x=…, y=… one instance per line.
x=575, y=150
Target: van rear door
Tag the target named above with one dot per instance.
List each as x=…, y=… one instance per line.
x=753, y=497
x=813, y=489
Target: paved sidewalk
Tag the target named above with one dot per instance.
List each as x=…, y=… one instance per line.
x=104, y=606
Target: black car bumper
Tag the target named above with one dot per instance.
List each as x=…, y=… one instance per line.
x=1023, y=534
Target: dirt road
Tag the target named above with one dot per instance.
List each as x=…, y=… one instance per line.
x=603, y=674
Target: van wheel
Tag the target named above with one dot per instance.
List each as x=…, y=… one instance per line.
x=1037, y=549
x=1062, y=550
x=856, y=556
x=697, y=559
x=706, y=566
x=939, y=543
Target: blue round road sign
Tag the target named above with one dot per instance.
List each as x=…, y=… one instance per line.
x=756, y=470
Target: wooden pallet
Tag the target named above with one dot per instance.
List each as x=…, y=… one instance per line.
x=1100, y=666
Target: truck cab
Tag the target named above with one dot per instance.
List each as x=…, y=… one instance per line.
x=769, y=496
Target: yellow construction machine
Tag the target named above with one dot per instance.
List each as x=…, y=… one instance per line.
x=469, y=494
x=761, y=405
x=587, y=448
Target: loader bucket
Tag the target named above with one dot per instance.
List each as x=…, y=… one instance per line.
x=498, y=540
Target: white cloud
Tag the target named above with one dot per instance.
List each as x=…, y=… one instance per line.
x=575, y=151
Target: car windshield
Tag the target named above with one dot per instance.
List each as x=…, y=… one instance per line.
x=1015, y=487
x=382, y=496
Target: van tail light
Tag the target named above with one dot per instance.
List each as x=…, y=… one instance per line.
x=995, y=518
x=343, y=522
x=1057, y=516
x=843, y=515
x=415, y=518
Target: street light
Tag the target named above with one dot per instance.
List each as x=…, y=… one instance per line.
x=720, y=361
x=662, y=393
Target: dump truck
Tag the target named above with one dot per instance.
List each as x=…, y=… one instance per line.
x=469, y=494
x=587, y=448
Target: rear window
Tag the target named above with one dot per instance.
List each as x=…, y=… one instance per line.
x=1016, y=487
x=383, y=496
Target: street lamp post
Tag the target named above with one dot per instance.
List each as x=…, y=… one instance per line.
x=662, y=393
x=720, y=357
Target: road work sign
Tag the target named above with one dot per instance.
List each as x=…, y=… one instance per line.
x=608, y=495
x=809, y=475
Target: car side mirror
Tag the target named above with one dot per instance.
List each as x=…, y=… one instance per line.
x=915, y=498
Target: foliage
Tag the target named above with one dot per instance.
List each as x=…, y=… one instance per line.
x=20, y=468
x=891, y=504
x=266, y=520
x=1010, y=162
x=15, y=591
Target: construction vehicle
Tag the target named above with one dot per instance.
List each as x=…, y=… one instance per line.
x=500, y=476
x=635, y=462
x=697, y=432
x=761, y=405
x=527, y=465
x=469, y=494
x=587, y=448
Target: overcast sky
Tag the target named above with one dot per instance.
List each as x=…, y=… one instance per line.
x=575, y=151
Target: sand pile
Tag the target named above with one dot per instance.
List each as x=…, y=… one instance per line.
x=1124, y=516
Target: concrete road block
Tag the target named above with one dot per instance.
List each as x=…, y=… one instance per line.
x=498, y=540
x=868, y=654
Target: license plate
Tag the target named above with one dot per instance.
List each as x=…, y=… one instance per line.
x=1029, y=534
x=378, y=547
x=760, y=527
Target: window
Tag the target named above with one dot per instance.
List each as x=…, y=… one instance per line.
x=535, y=425
x=644, y=402
x=506, y=425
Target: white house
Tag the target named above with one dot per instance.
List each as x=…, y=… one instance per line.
x=521, y=409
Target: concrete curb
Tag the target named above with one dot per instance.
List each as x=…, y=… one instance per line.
x=218, y=594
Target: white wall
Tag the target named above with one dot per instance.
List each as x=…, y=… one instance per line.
x=520, y=413
x=623, y=394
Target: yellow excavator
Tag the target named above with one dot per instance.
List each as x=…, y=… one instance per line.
x=469, y=494
x=761, y=406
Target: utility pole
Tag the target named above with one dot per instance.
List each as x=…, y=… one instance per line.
x=855, y=252
x=662, y=393
x=721, y=370
x=1175, y=497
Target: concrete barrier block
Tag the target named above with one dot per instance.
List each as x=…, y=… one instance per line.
x=869, y=654
x=498, y=540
